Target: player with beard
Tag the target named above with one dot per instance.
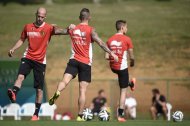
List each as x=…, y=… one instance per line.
x=38, y=35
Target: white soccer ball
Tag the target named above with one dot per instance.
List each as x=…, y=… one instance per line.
x=104, y=115
x=87, y=114
x=177, y=116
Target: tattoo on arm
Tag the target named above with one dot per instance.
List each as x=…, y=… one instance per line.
x=96, y=38
x=60, y=31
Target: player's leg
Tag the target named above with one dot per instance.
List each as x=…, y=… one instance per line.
x=24, y=70
x=61, y=86
x=70, y=73
x=153, y=112
x=123, y=92
x=123, y=84
x=84, y=80
x=82, y=98
x=39, y=81
x=164, y=111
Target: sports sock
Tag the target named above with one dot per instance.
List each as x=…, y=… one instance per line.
x=80, y=115
x=37, y=105
x=15, y=89
x=121, y=112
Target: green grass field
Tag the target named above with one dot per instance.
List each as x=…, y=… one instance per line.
x=160, y=32
x=112, y=123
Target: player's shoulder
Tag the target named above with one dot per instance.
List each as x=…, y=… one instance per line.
x=127, y=37
x=48, y=25
x=29, y=25
x=85, y=26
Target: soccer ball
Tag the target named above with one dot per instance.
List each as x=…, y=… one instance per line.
x=104, y=115
x=177, y=116
x=87, y=114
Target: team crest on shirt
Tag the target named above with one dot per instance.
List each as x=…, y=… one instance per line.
x=32, y=28
x=42, y=33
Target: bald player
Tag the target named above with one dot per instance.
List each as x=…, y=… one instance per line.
x=38, y=35
x=82, y=38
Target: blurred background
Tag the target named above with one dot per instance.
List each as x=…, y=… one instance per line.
x=159, y=29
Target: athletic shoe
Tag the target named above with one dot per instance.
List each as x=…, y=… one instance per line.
x=11, y=95
x=54, y=98
x=80, y=119
x=121, y=119
x=132, y=84
x=34, y=118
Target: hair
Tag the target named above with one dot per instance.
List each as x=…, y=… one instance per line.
x=156, y=91
x=100, y=91
x=119, y=24
x=84, y=14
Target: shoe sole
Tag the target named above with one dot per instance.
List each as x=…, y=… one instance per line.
x=10, y=94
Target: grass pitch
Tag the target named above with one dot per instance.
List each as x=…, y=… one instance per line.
x=94, y=123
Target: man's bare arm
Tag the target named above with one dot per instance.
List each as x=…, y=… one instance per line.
x=131, y=57
x=99, y=41
x=16, y=46
x=60, y=31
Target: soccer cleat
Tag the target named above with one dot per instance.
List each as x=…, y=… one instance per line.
x=80, y=119
x=132, y=84
x=11, y=95
x=121, y=119
x=54, y=98
x=34, y=118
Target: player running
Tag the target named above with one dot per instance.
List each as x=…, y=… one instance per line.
x=38, y=35
x=81, y=58
x=121, y=45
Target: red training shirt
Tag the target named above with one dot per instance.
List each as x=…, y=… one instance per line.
x=38, y=39
x=81, y=43
x=119, y=44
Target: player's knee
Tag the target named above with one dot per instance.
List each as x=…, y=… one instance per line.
x=152, y=109
x=164, y=109
x=39, y=92
x=20, y=78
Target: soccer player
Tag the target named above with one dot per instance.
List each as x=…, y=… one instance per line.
x=99, y=102
x=82, y=37
x=121, y=45
x=38, y=35
x=158, y=104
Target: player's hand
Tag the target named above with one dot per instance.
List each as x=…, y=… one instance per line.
x=132, y=62
x=115, y=57
x=10, y=53
x=72, y=26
